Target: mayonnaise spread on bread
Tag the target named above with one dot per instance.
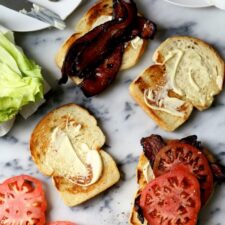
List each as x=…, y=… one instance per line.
x=148, y=172
x=79, y=164
x=188, y=75
x=135, y=43
x=162, y=102
x=159, y=98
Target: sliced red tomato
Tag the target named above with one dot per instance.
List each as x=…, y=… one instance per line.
x=22, y=201
x=177, y=153
x=172, y=199
x=61, y=223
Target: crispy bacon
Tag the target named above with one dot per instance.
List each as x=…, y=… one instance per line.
x=104, y=74
x=218, y=172
x=118, y=9
x=76, y=48
x=151, y=146
x=89, y=54
x=143, y=28
x=97, y=50
x=192, y=140
x=146, y=28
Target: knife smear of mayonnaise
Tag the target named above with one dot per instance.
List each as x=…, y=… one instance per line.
x=22, y=86
x=74, y=161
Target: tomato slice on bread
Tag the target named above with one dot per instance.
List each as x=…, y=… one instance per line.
x=22, y=201
x=172, y=199
x=61, y=223
x=176, y=153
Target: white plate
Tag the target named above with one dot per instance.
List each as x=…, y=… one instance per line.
x=18, y=22
x=191, y=3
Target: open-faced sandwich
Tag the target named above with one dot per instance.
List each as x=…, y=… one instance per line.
x=66, y=145
x=21, y=83
x=176, y=179
x=110, y=37
x=187, y=74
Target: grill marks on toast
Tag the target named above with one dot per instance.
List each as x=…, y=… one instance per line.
x=155, y=78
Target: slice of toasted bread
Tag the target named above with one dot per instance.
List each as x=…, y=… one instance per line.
x=40, y=138
x=96, y=15
x=141, y=180
x=188, y=72
x=68, y=118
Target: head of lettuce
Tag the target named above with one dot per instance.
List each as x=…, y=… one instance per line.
x=21, y=81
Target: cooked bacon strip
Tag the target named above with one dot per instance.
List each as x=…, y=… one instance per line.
x=97, y=50
x=118, y=10
x=192, y=140
x=151, y=146
x=218, y=172
x=146, y=28
x=76, y=48
x=104, y=74
x=143, y=28
x=88, y=56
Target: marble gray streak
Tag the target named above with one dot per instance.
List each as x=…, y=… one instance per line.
x=121, y=119
x=130, y=159
x=125, y=164
x=185, y=29
x=10, y=139
x=17, y=166
x=129, y=110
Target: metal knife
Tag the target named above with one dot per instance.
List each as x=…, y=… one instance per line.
x=36, y=11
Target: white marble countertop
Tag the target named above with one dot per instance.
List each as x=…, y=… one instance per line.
x=121, y=119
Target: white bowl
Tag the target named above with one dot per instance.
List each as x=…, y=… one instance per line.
x=191, y=3
x=219, y=3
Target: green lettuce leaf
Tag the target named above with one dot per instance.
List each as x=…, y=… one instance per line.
x=21, y=81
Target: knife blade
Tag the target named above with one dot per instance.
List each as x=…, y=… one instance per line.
x=36, y=11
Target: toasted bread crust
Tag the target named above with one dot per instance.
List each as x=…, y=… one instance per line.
x=91, y=135
x=102, y=8
x=141, y=183
x=134, y=215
